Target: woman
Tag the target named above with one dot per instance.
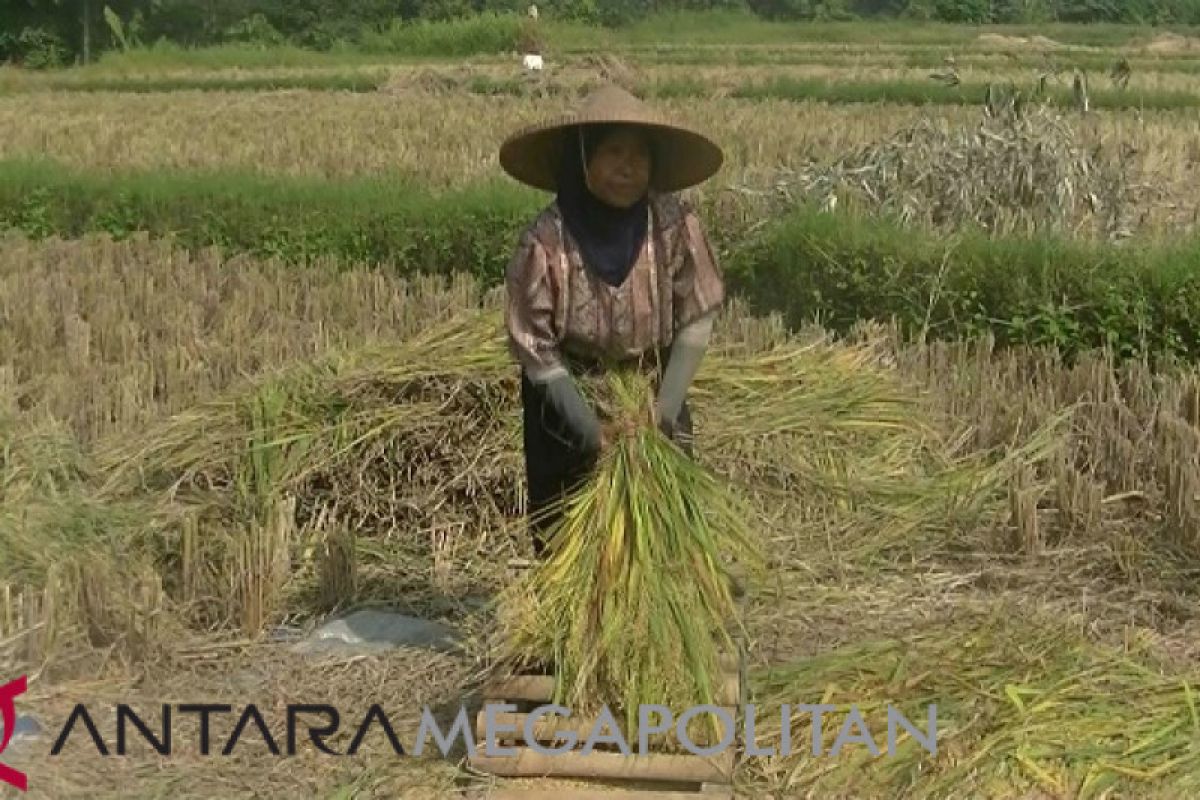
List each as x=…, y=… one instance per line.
x=616, y=269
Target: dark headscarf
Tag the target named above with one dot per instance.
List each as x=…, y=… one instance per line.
x=609, y=238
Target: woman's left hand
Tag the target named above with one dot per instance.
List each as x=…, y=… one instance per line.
x=666, y=426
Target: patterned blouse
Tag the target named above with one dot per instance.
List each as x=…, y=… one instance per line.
x=557, y=308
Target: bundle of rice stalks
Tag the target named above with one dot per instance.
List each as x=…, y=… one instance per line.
x=1023, y=704
x=635, y=600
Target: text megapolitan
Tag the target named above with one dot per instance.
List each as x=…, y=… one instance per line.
x=604, y=729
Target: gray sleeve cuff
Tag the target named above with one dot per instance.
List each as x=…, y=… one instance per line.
x=687, y=350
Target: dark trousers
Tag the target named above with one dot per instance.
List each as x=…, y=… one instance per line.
x=556, y=464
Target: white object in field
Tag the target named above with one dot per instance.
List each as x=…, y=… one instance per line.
x=373, y=630
x=533, y=11
x=533, y=61
x=1080, y=92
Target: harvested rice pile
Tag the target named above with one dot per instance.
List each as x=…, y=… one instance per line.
x=1012, y=173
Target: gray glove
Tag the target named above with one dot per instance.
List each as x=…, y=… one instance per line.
x=569, y=403
x=687, y=350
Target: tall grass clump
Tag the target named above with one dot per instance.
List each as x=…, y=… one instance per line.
x=635, y=598
x=380, y=221
x=165, y=55
x=1035, y=289
x=423, y=436
x=482, y=34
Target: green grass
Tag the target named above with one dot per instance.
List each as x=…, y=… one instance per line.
x=1043, y=290
x=165, y=55
x=327, y=82
x=386, y=220
x=486, y=33
x=382, y=49
x=401, y=43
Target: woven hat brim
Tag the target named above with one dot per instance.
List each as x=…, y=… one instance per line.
x=683, y=157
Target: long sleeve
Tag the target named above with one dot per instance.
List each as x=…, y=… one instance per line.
x=698, y=284
x=534, y=339
x=699, y=290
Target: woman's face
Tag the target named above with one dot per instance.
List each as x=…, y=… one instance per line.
x=619, y=170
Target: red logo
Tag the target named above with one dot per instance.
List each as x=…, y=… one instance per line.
x=8, y=712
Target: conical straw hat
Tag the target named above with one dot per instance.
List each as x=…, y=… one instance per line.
x=683, y=157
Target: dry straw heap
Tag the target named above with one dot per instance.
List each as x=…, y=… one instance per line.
x=1020, y=169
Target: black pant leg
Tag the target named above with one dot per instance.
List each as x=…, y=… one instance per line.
x=554, y=464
